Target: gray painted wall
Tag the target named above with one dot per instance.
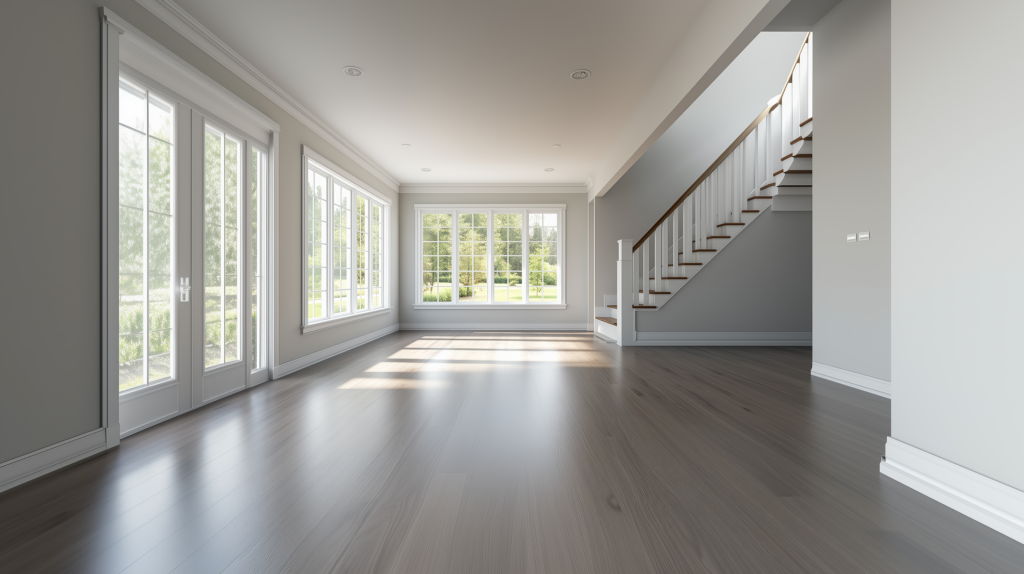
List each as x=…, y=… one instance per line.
x=50, y=219
x=956, y=149
x=852, y=167
x=575, y=314
x=692, y=144
x=760, y=282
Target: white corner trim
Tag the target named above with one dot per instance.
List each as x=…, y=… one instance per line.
x=321, y=325
x=499, y=188
x=302, y=362
x=182, y=22
x=717, y=339
x=990, y=502
x=34, y=464
x=851, y=379
x=494, y=326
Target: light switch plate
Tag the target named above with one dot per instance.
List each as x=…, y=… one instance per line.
x=850, y=238
x=863, y=236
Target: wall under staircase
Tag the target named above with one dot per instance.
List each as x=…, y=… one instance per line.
x=757, y=291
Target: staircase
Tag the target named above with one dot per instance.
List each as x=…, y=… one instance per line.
x=769, y=166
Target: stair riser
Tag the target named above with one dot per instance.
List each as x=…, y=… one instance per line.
x=719, y=244
x=793, y=179
x=793, y=190
x=760, y=204
x=797, y=163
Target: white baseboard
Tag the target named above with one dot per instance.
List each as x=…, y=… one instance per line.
x=494, y=326
x=988, y=501
x=879, y=387
x=313, y=358
x=725, y=339
x=35, y=464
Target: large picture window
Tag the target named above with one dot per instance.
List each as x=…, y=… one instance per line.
x=345, y=229
x=490, y=256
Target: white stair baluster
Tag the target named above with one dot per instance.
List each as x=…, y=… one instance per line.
x=659, y=248
x=674, y=249
x=809, y=50
x=687, y=233
x=646, y=271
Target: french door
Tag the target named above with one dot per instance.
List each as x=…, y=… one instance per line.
x=191, y=221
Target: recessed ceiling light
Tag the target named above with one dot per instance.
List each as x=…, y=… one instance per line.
x=406, y=145
x=581, y=74
x=424, y=169
x=352, y=71
x=549, y=169
x=557, y=145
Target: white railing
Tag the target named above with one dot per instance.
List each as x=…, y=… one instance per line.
x=746, y=171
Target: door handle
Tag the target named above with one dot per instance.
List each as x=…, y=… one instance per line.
x=184, y=289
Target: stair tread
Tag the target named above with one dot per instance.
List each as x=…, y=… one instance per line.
x=751, y=211
x=719, y=236
x=753, y=197
x=608, y=320
x=777, y=173
x=690, y=263
x=724, y=224
x=613, y=306
x=766, y=186
x=658, y=292
x=801, y=139
x=645, y=306
x=807, y=121
x=799, y=171
x=664, y=278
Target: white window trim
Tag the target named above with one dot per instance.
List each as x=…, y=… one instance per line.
x=490, y=209
x=357, y=185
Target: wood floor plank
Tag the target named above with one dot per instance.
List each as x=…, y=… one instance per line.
x=506, y=453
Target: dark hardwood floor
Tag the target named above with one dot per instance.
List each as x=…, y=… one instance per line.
x=512, y=453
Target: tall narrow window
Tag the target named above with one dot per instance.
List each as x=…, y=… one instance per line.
x=543, y=257
x=508, y=257
x=472, y=257
x=258, y=179
x=316, y=250
x=146, y=228
x=222, y=206
x=346, y=247
x=437, y=257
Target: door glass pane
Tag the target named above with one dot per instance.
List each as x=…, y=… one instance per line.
x=222, y=203
x=145, y=236
x=472, y=229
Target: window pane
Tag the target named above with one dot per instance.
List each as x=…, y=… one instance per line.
x=473, y=257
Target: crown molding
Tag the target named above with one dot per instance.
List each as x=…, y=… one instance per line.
x=183, y=23
x=489, y=187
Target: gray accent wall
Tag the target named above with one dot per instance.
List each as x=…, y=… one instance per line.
x=760, y=283
x=852, y=168
x=576, y=313
x=957, y=258
x=50, y=227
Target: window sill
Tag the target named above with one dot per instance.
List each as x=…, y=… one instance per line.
x=486, y=306
x=321, y=325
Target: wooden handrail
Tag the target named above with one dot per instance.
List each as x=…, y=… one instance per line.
x=735, y=144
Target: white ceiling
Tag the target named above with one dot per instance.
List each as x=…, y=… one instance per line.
x=481, y=89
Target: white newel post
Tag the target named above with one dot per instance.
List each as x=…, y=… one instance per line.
x=625, y=293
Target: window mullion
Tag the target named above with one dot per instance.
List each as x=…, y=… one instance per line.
x=524, y=262
x=329, y=252
x=145, y=253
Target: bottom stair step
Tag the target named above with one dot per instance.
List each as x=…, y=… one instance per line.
x=608, y=320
